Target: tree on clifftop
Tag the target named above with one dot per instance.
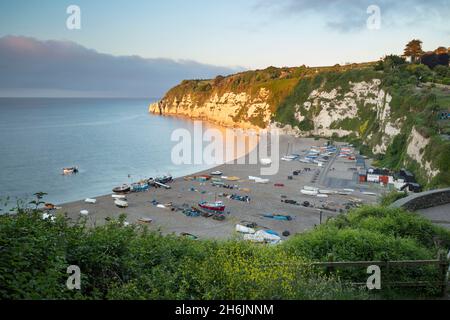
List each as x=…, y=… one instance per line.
x=414, y=50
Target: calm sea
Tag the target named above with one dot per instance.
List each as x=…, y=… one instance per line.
x=108, y=139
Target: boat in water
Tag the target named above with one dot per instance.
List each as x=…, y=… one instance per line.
x=122, y=189
x=214, y=206
x=70, y=171
x=121, y=204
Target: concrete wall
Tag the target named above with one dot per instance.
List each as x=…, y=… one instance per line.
x=424, y=200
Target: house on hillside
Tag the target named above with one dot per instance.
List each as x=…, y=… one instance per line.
x=382, y=176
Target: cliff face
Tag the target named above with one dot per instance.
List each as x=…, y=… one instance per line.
x=228, y=109
x=385, y=113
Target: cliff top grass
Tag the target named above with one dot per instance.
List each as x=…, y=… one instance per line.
x=279, y=81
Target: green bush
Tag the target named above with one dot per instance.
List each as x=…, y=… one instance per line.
x=377, y=234
x=389, y=198
x=119, y=262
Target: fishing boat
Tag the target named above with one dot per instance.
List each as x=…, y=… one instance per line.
x=121, y=204
x=140, y=187
x=122, y=189
x=49, y=206
x=70, y=171
x=164, y=179
x=214, y=206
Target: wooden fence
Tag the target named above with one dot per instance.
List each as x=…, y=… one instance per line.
x=442, y=265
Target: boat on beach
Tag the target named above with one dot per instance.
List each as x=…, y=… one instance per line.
x=121, y=204
x=214, y=206
x=122, y=189
x=145, y=220
x=120, y=197
x=309, y=192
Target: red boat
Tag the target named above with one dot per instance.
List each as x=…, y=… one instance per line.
x=216, y=206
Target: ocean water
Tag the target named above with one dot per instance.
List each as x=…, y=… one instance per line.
x=108, y=139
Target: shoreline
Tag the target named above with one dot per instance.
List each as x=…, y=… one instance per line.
x=265, y=199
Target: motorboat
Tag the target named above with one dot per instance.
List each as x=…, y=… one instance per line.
x=164, y=179
x=70, y=171
x=214, y=206
x=122, y=189
x=266, y=162
x=84, y=213
x=262, y=181
x=326, y=191
x=120, y=197
x=121, y=204
x=259, y=180
x=216, y=173
x=311, y=188
x=309, y=192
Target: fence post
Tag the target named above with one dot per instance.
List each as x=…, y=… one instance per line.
x=330, y=269
x=444, y=264
x=388, y=276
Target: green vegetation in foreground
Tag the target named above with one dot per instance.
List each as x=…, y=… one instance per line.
x=119, y=262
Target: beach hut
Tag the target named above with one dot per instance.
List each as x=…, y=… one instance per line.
x=362, y=174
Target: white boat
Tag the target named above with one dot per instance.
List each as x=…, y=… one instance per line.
x=121, y=203
x=327, y=192
x=311, y=188
x=91, y=201
x=370, y=194
x=216, y=173
x=69, y=171
x=320, y=195
x=266, y=162
x=262, y=236
x=243, y=229
x=309, y=192
x=84, y=212
x=118, y=196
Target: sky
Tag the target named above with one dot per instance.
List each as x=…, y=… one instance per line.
x=226, y=34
